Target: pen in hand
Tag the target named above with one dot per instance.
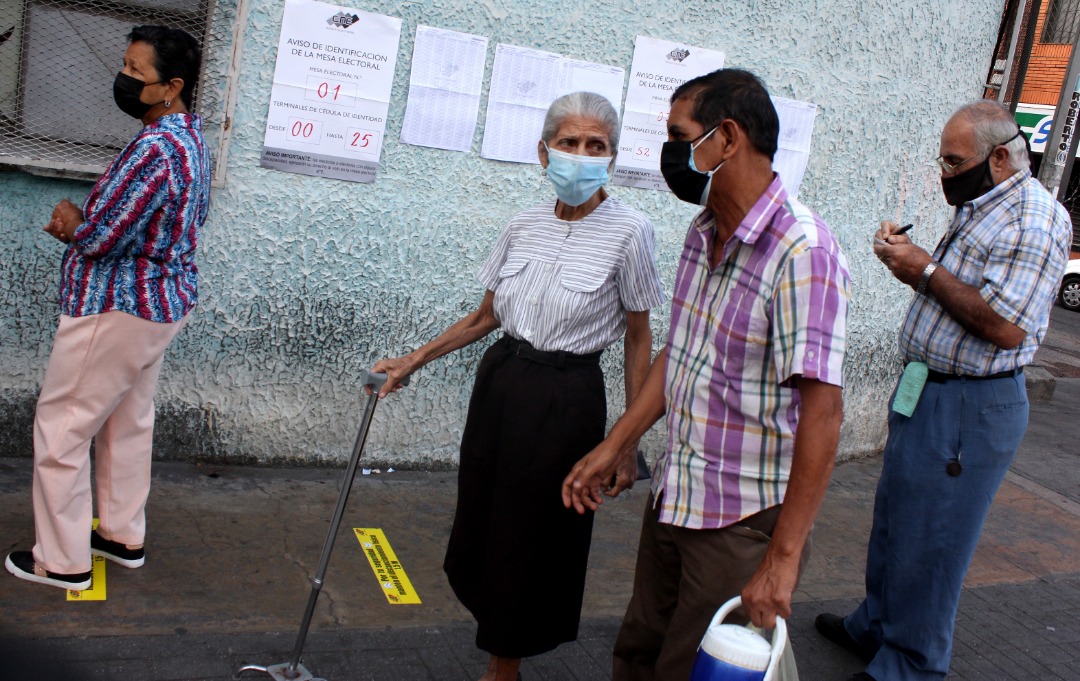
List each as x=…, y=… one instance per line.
x=902, y=230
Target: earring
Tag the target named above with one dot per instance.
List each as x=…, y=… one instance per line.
x=167, y=104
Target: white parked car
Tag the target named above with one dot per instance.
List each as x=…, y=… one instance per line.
x=1069, y=294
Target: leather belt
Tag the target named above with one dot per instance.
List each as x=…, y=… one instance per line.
x=560, y=358
x=938, y=377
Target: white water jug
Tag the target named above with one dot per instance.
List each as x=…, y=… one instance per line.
x=729, y=652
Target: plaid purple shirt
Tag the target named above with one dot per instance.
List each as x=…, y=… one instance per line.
x=775, y=307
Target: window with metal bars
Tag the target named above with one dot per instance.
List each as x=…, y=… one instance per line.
x=1062, y=21
x=58, y=59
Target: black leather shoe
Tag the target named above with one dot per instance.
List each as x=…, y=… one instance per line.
x=832, y=627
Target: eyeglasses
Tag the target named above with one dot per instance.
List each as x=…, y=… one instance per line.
x=950, y=168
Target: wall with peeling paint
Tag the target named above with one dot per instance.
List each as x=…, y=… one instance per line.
x=305, y=282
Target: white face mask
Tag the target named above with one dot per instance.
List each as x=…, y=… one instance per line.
x=576, y=178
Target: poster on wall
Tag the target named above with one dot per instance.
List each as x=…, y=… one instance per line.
x=524, y=83
x=331, y=91
x=658, y=68
x=444, y=89
x=793, y=143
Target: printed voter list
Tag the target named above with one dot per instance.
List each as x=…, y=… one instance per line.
x=331, y=92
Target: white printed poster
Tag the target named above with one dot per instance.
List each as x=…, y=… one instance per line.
x=444, y=89
x=658, y=68
x=524, y=83
x=331, y=91
x=793, y=145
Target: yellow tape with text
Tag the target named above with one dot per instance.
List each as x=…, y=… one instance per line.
x=392, y=578
x=96, y=592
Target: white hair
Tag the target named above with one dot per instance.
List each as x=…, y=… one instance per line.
x=586, y=105
x=992, y=125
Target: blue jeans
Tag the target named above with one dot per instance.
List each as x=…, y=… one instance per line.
x=927, y=523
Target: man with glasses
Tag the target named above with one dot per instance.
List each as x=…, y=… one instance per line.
x=981, y=307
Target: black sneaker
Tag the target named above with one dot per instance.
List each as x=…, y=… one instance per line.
x=832, y=627
x=115, y=551
x=21, y=564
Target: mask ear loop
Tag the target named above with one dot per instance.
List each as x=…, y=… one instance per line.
x=1027, y=144
x=693, y=148
x=702, y=139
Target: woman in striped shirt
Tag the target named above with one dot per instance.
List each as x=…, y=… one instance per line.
x=566, y=279
x=127, y=282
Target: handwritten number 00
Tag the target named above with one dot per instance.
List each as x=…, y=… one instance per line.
x=302, y=129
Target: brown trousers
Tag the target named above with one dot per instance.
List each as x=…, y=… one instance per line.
x=682, y=578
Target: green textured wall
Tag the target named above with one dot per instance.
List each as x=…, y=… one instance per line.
x=305, y=281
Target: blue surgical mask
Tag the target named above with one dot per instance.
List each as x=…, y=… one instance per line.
x=576, y=178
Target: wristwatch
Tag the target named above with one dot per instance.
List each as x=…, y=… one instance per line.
x=924, y=280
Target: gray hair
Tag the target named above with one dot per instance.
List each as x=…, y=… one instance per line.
x=586, y=105
x=992, y=124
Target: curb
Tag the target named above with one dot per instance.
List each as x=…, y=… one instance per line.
x=1040, y=384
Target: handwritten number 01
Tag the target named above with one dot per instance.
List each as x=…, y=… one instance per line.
x=324, y=89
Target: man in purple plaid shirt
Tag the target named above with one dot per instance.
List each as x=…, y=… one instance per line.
x=750, y=381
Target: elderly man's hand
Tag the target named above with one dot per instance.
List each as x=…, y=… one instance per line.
x=582, y=488
x=904, y=259
x=769, y=591
x=626, y=473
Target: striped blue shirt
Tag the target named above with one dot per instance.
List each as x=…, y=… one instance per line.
x=1012, y=244
x=568, y=285
x=135, y=250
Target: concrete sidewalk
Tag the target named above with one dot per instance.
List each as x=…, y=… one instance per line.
x=231, y=551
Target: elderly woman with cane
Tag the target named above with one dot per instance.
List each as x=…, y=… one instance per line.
x=566, y=279
x=127, y=282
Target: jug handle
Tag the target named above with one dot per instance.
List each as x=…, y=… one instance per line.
x=725, y=610
x=779, y=637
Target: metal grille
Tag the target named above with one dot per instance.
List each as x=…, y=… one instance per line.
x=58, y=59
x=1062, y=21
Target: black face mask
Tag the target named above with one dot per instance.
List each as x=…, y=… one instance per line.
x=681, y=174
x=689, y=185
x=126, y=93
x=968, y=185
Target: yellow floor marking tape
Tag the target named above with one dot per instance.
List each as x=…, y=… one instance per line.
x=96, y=592
x=392, y=578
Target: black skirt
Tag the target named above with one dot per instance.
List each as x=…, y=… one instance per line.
x=516, y=557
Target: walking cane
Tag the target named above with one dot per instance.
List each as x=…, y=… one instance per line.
x=293, y=670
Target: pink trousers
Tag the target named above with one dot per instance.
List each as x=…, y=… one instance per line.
x=99, y=384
